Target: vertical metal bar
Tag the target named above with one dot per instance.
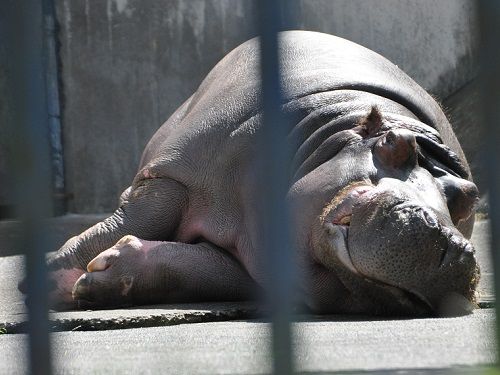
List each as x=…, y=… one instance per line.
x=489, y=16
x=29, y=162
x=52, y=79
x=278, y=248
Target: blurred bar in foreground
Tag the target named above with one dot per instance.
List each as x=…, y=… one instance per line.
x=489, y=21
x=277, y=250
x=29, y=161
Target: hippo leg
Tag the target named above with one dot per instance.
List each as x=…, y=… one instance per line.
x=135, y=271
x=151, y=210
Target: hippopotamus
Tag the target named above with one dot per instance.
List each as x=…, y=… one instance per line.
x=380, y=194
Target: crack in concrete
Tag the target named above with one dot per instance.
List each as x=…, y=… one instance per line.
x=137, y=318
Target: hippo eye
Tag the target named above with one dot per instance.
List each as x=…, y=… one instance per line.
x=425, y=162
x=439, y=159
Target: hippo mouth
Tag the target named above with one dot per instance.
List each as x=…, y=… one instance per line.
x=340, y=210
x=336, y=219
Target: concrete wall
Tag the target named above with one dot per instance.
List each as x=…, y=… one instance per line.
x=128, y=64
x=432, y=40
x=5, y=116
x=464, y=110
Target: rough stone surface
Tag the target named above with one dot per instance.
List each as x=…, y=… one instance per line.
x=128, y=64
x=242, y=347
x=145, y=316
x=12, y=306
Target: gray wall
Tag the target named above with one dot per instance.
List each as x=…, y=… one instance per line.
x=5, y=116
x=128, y=64
x=431, y=40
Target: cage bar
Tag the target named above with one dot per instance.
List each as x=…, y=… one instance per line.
x=277, y=248
x=30, y=170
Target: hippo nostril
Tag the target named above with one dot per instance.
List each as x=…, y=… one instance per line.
x=469, y=248
x=427, y=215
x=455, y=248
x=467, y=254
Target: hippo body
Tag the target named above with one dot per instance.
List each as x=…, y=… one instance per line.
x=376, y=167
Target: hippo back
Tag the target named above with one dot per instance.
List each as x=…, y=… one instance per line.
x=317, y=70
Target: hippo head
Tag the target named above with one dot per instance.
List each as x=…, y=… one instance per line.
x=395, y=231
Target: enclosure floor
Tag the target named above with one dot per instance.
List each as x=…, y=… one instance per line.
x=227, y=338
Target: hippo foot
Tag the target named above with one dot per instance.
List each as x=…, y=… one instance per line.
x=62, y=275
x=60, y=288
x=117, y=276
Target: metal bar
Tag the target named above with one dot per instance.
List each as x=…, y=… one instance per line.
x=29, y=162
x=489, y=16
x=52, y=79
x=278, y=248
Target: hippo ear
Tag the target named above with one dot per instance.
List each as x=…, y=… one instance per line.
x=372, y=123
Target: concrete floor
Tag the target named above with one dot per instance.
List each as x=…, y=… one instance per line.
x=242, y=347
x=322, y=344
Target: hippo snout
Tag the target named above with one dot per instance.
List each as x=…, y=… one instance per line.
x=414, y=249
x=452, y=245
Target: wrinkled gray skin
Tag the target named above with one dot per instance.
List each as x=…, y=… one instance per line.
x=381, y=194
